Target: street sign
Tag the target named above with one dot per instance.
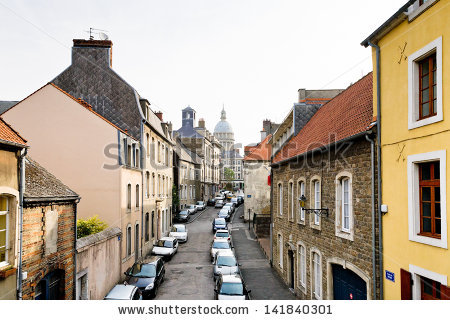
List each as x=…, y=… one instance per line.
x=390, y=276
x=249, y=196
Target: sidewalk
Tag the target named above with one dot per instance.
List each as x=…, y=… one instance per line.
x=255, y=268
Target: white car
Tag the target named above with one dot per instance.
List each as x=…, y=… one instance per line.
x=231, y=287
x=180, y=232
x=225, y=263
x=223, y=234
x=201, y=205
x=191, y=208
x=219, y=245
x=166, y=247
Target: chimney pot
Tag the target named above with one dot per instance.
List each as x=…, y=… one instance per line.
x=159, y=114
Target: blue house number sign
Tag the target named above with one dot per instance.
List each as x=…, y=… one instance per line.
x=390, y=276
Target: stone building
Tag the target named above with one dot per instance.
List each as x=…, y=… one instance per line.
x=324, y=221
x=12, y=149
x=49, y=236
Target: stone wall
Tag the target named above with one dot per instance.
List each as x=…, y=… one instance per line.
x=354, y=254
x=261, y=225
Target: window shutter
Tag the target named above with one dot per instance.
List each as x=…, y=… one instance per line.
x=406, y=285
x=445, y=292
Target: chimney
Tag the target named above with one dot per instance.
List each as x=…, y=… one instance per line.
x=301, y=95
x=201, y=123
x=267, y=126
x=263, y=134
x=159, y=114
x=94, y=52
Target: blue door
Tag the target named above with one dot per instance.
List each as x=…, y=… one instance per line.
x=347, y=285
x=51, y=286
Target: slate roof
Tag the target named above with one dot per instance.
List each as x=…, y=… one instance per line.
x=188, y=132
x=91, y=79
x=348, y=114
x=9, y=135
x=41, y=185
x=6, y=105
x=263, y=151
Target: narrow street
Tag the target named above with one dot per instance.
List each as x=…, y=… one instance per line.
x=189, y=275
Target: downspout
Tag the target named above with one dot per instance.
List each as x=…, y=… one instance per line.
x=379, y=200
x=75, y=250
x=21, y=192
x=143, y=148
x=374, y=249
x=271, y=216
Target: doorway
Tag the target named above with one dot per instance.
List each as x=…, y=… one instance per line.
x=347, y=285
x=291, y=269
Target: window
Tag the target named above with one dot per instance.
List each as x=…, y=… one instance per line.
x=280, y=199
x=301, y=192
x=137, y=158
x=147, y=228
x=147, y=184
x=129, y=197
x=280, y=251
x=429, y=198
x=425, y=85
x=153, y=184
x=137, y=196
x=427, y=218
x=153, y=150
x=316, y=275
x=4, y=224
x=301, y=266
x=291, y=201
x=316, y=200
x=344, y=206
x=128, y=241
x=148, y=144
x=159, y=152
x=153, y=224
x=129, y=155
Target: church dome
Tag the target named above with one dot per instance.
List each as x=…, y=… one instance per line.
x=223, y=126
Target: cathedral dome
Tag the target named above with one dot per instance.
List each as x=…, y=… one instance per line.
x=223, y=126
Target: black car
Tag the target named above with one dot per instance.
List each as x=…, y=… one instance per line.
x=182, y=216
x=147, y=276
x=211, y=202
x=240, y=199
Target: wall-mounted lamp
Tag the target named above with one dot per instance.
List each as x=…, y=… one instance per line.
x=321, y=211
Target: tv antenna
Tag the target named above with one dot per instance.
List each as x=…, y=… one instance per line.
x=101, y=34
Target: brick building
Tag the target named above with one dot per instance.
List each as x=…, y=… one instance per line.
x=49, y=236
x=329, y=253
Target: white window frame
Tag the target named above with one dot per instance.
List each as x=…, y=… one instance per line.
x=340, y=230
x=6, y=214
x=417, y=272
x=301, y=190
x=413, y=84
x=301, y=266
x=315, y=219
x=129, y=247
x=280, y=250
x=413, y=197
x=291, y=188
x=280, y=199
x=316, y=275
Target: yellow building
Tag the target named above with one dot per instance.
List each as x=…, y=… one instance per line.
x=411, y=57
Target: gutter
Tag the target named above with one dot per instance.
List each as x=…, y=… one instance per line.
x=379, y=200
x=374, y=249
x=23, y=153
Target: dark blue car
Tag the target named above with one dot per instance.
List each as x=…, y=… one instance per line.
x=219, y=224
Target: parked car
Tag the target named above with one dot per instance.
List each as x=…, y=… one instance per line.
x=191, y=208
x=219, y=223
x=219, y=203
x=240, y=199
x=235, y=201
x=229, y=196
x=200, y=205
x=224, y=213
x=147, y=276
x=182, y=216
x=231, y=287
x=219, y=245
x=222, y=234
x=124, y=292
x=225, y=263
x=166, y=247
x=231, y=205
x=180, y=232
x=211, y=202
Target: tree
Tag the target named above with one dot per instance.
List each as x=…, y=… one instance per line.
x=90, y=226
x=175, y=197
x=229, y=176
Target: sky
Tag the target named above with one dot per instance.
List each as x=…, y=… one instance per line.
x=251, y=56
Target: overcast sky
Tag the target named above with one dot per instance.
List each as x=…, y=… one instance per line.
x=251, y=55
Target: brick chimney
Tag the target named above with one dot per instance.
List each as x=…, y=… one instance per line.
x=98, y=52
x=159, y=114
x=201, y=123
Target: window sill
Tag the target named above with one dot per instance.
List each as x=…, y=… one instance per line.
x=348, y=235
x=425, y=121
x=316, y=226
x=7, y=271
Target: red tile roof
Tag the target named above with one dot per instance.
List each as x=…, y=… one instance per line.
x=348, y=114
x=8, y=134
x=263, y=151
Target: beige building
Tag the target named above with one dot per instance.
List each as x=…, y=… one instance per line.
x=12, y=146
x=81, y=148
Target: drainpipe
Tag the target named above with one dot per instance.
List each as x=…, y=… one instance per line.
x=143, y=148
x=75, y=250
x=379, y=200
x=21, y=191
x=374, y=249
x=271, y=216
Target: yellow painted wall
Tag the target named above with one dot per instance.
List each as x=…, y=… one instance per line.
x=399, y=251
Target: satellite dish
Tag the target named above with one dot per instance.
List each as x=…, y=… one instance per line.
x=103, y=36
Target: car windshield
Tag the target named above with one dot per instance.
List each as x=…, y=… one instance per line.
x=183, y=213
x=191, y=206
x=221, y=245
x=226, y=261
x=224, y=211
x=227, y=204
x=143, y=271
x=179, y=229
x=222, y=235
x=200, y=203
x=164, y=243
x=220, y=222
x=234, y=289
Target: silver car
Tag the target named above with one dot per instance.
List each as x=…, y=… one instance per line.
x=201, y=205
x=124, y=292
x=225, y=263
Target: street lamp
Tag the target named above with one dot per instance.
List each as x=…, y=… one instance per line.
x=319, y=211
